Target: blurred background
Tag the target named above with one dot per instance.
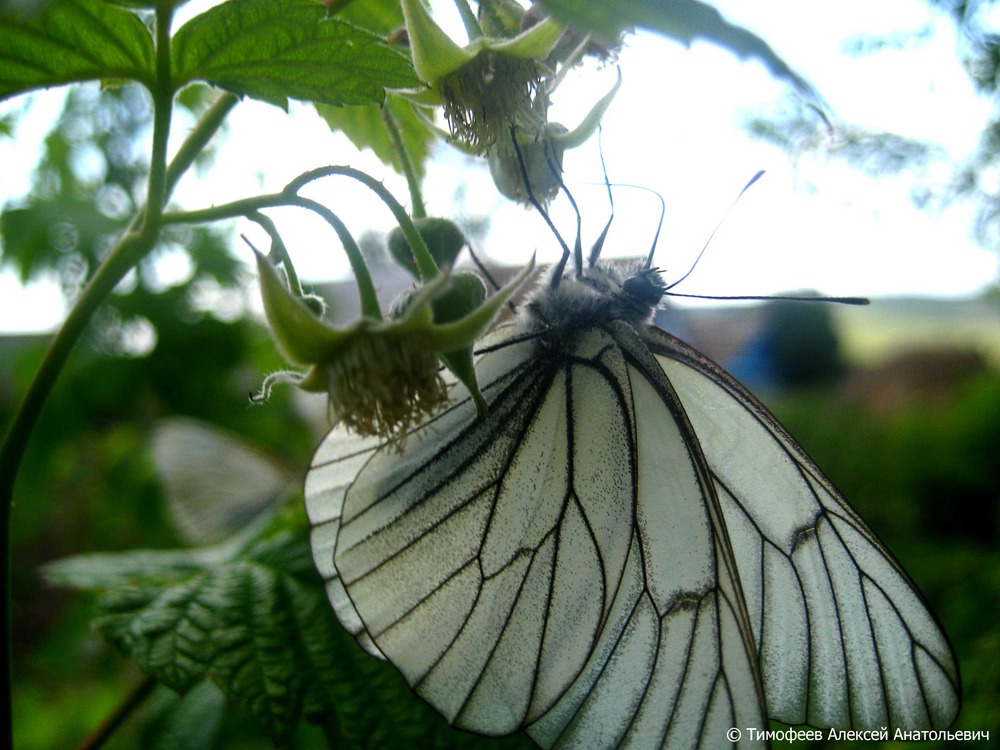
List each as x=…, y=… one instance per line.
x=895, y=197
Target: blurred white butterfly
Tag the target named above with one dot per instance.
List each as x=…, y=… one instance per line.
x=215, y=483
x=629, y=551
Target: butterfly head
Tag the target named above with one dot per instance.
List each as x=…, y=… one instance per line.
x=603, y=293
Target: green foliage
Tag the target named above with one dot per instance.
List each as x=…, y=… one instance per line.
x=363, y=125
x=84, y=188
x=682, y=20
x=72, y=40
x=249, y=615
x=279, y=49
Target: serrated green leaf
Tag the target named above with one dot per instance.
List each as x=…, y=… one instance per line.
x=275, y=50
x=72, y=40
x=225, y=613
x=365, y=129
x=251, y=615
x=682, y=20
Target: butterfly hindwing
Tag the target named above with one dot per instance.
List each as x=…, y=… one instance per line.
x=561, y=566
x=844, y=637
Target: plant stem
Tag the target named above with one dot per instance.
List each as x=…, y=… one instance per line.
x=128, y=251
x=472, y=27
x=199, y=137
x=366, y=288
x=163, y=107
x=417, y=208
x=422, y=256
x=251, y=207
x=122, y=712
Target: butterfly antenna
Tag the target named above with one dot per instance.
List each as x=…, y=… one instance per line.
x=778, y=297
x=709, y=241
x=561, y=265
x=595, y=250
x=482, y=268
x=577, y=246
x=659, y=226
x=487, y=275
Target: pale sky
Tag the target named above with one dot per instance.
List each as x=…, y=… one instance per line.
x=675, y=127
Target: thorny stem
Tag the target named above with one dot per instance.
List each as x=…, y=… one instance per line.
x=366, y=287
x=289, y=197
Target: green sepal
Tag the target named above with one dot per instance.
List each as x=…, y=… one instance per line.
x=434, y=52
x=301, y=335
x=463, y=366
x=536, y=43
x=468, y=328
x=435, y=55
x=448, y=337
x=583, y=131
x=463, y=293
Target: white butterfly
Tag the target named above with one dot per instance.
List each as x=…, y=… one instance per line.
x=629, y=551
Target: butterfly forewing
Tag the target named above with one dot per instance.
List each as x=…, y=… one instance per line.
x=629, y=552
x=539, y=568
x=843, y=635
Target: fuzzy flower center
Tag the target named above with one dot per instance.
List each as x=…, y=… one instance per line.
x=486, y=95
x=383, y=385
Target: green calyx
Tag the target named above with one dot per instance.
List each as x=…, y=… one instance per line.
x=382, y=375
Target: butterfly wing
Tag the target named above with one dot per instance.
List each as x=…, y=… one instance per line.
x=214, y=482
x=844, y=637
x=559, y=567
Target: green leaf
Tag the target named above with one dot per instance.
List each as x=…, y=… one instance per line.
x=380, y=16
x=279, y=49
x=251, y=615
x=72, y=40
x=237, y=614
x=682, y=20
x=192, y=721
x=364, y=127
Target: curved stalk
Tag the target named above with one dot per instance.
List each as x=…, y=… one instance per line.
x=417, y=208
x=426, y=264
x=123, y=257
x=120, y=715
x=251, y=207
x=366, y=287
